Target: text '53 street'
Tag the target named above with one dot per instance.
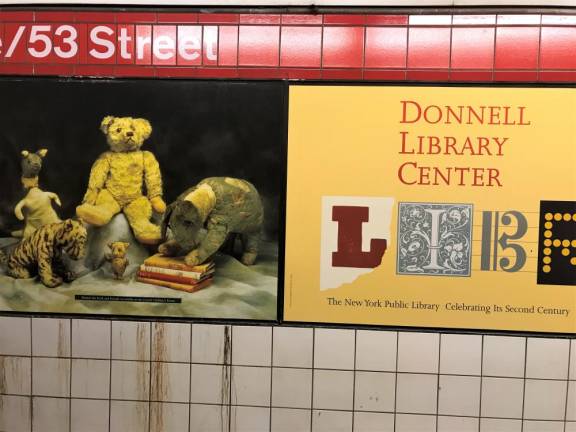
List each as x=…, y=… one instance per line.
x=93, y=43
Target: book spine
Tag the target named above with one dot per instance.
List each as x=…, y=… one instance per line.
x=177, y=266
x=174, y=266
x=166, y=271
x=170, y=278
x=173, y=285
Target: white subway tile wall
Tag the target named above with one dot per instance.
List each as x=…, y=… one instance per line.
x=84, y=375
x=50, y=414
x=419, y=352
x=171, y=342
x=125, y=416
x=457, y=424
x=91, y=338
x=130, y=380
x=90, y=378
x=334, y=349
x=51, y=337
x=130, y=340
x=504, y=356
x=15, y=336
x=290, y=420
x=89, y=415
x=251, y=386
x=15, y=413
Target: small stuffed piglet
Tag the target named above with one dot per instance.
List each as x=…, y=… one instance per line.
x=117, y=258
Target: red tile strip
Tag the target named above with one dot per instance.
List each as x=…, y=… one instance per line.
x=344, y=47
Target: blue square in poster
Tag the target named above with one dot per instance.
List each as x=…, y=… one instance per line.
x=434, y=239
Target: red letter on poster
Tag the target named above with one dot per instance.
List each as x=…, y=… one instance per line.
x=349, y=253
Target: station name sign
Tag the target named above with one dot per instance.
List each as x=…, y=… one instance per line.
x=188, y=45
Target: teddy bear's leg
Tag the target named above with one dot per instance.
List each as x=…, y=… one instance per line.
x=29, y=229
x=59, y=268
x=215, y=237
x=171, y=248
x=18, y=272
x=139, y=213
x=46, y=273
x=250, y=241
x=101, y=212
x=17, y=233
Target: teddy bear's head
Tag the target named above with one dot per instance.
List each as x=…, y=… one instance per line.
x=118, y=249
x=32, y=162
x=125, y=134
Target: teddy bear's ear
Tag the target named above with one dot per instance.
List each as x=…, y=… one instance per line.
x=126, y=245
x=106, y=123
x=110, y=245
x=42, y=152
x=144, y=126
x=25, y=153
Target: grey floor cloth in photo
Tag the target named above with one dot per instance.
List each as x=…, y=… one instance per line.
x=238, y=291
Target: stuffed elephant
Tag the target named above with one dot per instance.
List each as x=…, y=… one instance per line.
x=221, y=206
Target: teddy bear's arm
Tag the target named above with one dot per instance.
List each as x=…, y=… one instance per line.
x=18, y=209
x=98, y=176
x=54, y=198
x=152, y=175
x=215, y=237
x=45, y=270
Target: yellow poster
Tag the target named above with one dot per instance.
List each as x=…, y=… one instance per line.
x=443, y=207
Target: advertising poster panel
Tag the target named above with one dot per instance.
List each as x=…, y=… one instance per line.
x=441, y=207
x=141, y=197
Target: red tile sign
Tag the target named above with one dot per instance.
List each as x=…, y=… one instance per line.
x=289, y=46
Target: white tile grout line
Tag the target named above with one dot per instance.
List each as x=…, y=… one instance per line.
x=524, y=383
x=271, y=375
x=406, y=54
x=539, y=53
x=190, y=381
x=110, y=384
x=230, y=375
x=289, y=367
x=438, y=379
x=481, y=382
x=31, y=377
x=494, y=52
x=354, y=380
x=396, y=379
x=312, y=386
x=150, y=378
x=450, y=51
x=70, y=380
x=567, y=385
x=297, y=408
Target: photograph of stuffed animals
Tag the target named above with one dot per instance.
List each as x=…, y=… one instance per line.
x=141, y=197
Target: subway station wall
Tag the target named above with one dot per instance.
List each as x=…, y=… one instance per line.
x=66, y=374
x=100, y=375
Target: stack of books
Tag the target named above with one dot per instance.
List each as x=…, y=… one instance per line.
x=173, y=272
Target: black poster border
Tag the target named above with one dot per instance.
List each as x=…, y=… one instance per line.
x=281, y=213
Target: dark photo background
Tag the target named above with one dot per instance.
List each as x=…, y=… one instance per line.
x=200, y=129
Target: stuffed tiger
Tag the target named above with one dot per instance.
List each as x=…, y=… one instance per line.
x=41, y=253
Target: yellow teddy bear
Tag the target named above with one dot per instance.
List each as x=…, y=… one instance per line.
x=121, y=176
